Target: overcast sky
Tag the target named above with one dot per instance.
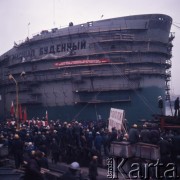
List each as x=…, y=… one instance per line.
x=18, y=18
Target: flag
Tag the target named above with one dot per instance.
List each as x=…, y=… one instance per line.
x=46, y=123
x=12, y=109
x=20, y=112
x=24, y=115
x=46, y=118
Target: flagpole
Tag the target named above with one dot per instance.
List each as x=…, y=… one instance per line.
x=28, y=29
x=46, y=115
x=17, y=97
x=17, y=100
x=12, y=109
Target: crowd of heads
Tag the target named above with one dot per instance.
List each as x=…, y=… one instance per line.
x=60, y=141
x=76, y=141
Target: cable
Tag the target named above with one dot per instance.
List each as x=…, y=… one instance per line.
x=176, y=22
x=176, y=26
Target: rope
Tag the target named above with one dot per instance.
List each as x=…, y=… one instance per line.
x=176, y=26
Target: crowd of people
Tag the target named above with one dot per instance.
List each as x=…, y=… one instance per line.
x=33, y=144
x=167, y=140
x=85, y=143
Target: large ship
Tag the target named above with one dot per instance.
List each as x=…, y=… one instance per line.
x=81, y=71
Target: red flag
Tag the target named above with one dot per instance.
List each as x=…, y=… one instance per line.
x=12, y=109
x=46, y=116
x=46, y=123
x=20, y=112
x=25, y=115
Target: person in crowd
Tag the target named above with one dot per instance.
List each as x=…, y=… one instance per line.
x=165, y=150
x=98, y=142
x=28, y=138
x=33, y=167
x=113, y=134
x=154, y=134
x=106, y=143
x=17, y=149
x=145, y=135
x=29, y=147
x=44, y=161
x=120, y=135
x=10, y=144
x=176, y=107
x=2, y=139
x=176, y=148
x=160, y=105
x=77, y=133
x=90, y=139
x=133, y=134
x=93, y=168
x=54, y=151
x=73, y=173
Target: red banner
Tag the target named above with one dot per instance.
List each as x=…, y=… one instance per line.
x=24, y=115
x=81, y=62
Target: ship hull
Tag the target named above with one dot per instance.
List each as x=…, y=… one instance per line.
x=82, y=71
x=137, y=109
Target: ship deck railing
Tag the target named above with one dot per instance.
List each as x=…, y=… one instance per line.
x=57, y=77
x=80, y=29
x=130, y=38
x=95, y=52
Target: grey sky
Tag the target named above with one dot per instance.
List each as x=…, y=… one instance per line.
x=15, y=15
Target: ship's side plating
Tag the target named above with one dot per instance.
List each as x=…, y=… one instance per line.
x=82, y=71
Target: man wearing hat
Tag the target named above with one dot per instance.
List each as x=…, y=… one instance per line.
x=133, y=134
x=176, y=107
x=17, y=149
x=73, y=172
x=93, y=173
x=160, y=104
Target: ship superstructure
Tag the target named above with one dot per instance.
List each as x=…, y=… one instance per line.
x=81, y=71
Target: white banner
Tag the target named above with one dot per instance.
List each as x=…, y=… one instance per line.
x=116, y=119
